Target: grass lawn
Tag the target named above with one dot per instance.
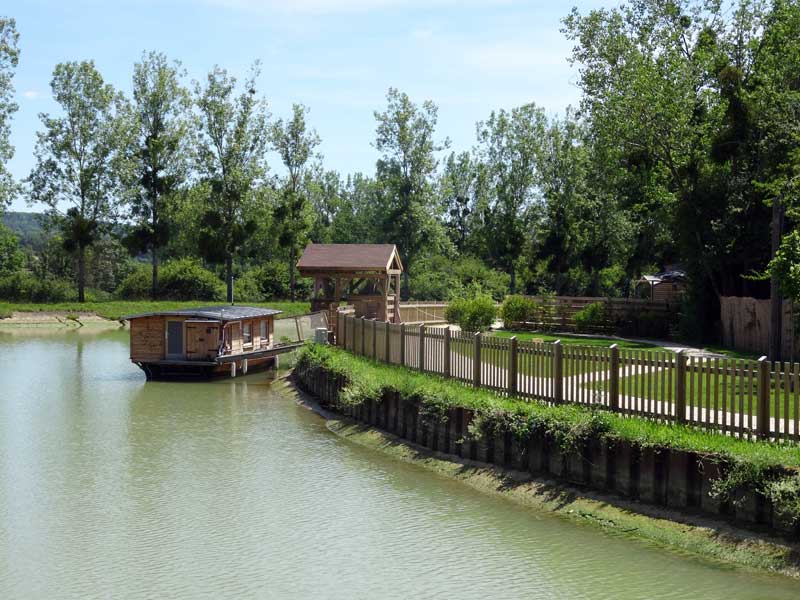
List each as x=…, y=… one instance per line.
x=605, y=342
x=116, y=309
x=735, y=390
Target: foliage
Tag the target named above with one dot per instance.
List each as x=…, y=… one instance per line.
x=472, y=314
x=295, y=144
x=517, y=309
x=233, y=137
x=590, y=317
x=440, y=278
x=786, y=265
x=509, y=149
x=77, y=159
x=405, y=139
x=182, y=279
x=11, y=257
x=158, y=156
x=9, y=58
x=22, y=286
x=269, y=281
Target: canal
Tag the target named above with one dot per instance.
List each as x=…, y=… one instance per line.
x=111, y=487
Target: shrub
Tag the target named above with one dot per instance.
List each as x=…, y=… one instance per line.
x=474, y=314
x=182, y=279
x=517, y=309
x=440, y=278
x=248, y=287
x=590, y=317
x=27, y=287
x=270, y=281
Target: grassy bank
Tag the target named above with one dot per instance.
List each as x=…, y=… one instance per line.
x=747, y=467
x=115, y=309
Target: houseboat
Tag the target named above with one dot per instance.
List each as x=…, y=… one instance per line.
x=203, y=342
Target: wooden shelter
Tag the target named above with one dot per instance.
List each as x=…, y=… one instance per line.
x=202, y=341
x=365, y=275
x=667, y=286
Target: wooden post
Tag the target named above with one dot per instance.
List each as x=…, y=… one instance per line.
x=374, y=341
x=403, y=344
x=387, y=348
x=512, y=366
x=762, y=418
x=341, y=333
x=613, y=380
x=297, y=326
x=558, y=372
x=476, y=361
x=421, y=347
x=363, y=337
x=680, y=387
x=446, y=362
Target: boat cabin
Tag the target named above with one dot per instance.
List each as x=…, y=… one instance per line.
x=216, y=340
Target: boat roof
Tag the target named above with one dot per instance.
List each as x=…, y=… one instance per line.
x=218, y=313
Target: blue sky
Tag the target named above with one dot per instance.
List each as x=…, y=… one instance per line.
x=338, y=57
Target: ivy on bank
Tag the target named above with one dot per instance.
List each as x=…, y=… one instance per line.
x=766, y=468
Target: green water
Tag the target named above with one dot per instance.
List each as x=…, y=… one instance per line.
x=111, y=487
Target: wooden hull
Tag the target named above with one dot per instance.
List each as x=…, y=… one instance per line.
x=163, y=370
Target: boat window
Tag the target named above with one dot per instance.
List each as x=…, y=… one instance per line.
x=263, y=330
x=247, y=333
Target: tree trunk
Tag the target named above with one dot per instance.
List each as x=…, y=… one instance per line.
x=291, y=273
x=81, y=273
x=776, y=301
x=406, y=286
x=513, y=273
x=154, y=288
x=229, y=277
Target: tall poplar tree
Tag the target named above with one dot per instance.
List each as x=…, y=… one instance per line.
x=295, y=144
x=158, y=154
x=233, y=139
x=77, y=156
x=9, y=57
x=405, y=172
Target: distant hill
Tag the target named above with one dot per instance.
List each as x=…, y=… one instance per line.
x=27, y=226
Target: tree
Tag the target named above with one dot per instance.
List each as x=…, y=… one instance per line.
x=233, y=138
x=462, y=187
x=159, y=153
x=76, y=159
x=9, y=57
x=405, y=139
x=11, y=257
x=295, y=143
x=509, y=146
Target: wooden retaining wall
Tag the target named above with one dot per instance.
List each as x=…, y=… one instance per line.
x=658, y=476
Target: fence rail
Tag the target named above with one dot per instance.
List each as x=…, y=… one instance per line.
x=744, y=398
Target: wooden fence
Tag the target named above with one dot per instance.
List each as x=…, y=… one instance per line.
x=745, y=325
x=558, y=312
x=422, y=312
x=745, y=398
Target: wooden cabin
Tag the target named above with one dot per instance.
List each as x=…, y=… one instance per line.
x=216, y=340
x=365, y=275
x=667, y=286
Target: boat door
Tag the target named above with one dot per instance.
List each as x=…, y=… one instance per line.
x=175, y=339
x=201, y=339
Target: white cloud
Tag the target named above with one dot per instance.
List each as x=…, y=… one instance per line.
x=30, y=94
